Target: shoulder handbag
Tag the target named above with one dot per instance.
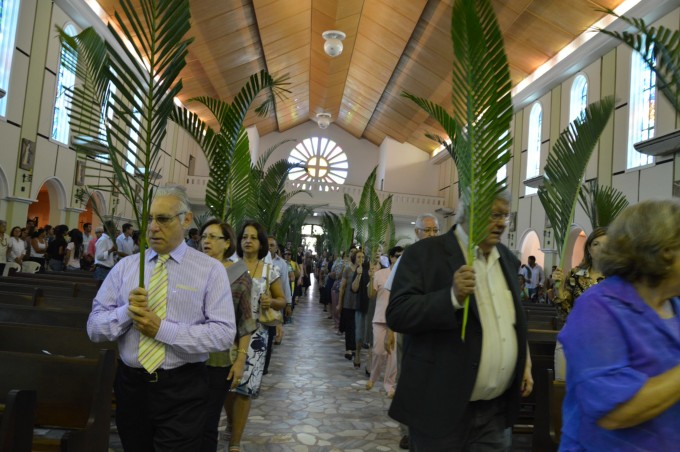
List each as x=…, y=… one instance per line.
x=269, y=317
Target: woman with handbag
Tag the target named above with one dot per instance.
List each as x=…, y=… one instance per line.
x=225, y=369
x=267, y=301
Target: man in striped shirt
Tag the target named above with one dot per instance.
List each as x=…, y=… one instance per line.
x=161, y=405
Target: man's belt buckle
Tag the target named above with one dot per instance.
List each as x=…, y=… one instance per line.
x=153, y=377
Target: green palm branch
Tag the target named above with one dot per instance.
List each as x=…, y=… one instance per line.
x=566, y=167
x=229, y=192
x=290, y=225
x=269, y=185
x=145, y=76
x=601, y=203
x=338, y=232
x=659, y=48
x=482, y=112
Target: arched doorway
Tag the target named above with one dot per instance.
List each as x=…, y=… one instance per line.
x=51, y=199
x=95, y=203
x=530, y=245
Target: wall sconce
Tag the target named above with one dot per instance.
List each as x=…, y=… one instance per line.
x=26, y=178
x=547, y=238
x=333, y=45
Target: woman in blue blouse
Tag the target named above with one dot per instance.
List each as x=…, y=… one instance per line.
x=622, y=341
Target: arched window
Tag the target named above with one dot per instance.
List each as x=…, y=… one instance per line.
x=9, y=16
x=642, y=110
x=66, y=79
x=133, y=143
x=579, y=97
x=323, y=160
x=534, y=145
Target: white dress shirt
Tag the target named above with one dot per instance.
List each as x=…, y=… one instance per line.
x=102, y=256
x=497, y=316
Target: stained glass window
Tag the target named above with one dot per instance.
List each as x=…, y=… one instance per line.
x=9, y=15
x=579, y=97
x=642, y=110
x=66, y=79
x=322, y=160
x=534, y=145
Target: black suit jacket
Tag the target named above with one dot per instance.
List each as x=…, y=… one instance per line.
x=438, y=369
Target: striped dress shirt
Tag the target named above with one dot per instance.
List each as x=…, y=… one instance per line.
x=200, y=312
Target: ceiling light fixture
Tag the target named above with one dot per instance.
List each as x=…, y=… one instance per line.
x=333, y=45
x=323, y=119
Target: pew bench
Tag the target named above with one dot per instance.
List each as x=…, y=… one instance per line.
x=43, y=316
x=73, y=398
x=49, y=339
x=17, y=415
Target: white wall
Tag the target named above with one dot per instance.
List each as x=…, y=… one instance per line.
x=407, y=169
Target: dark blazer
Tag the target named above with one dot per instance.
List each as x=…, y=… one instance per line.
x=439, y=370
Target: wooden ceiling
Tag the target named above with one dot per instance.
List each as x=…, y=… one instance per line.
x=391, y=46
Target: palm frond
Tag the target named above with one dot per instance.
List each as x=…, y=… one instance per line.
x=659, y=47
x=602, y=204
x=482, y=112
x=145, y=76
x=566, y=166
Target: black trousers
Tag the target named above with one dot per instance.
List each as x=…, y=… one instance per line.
x=347, y=319
x=219, y=387
x=481, y=429
x=270, y=343
x=168, y=414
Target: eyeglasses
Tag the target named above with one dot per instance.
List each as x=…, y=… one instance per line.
x=162, y=220
x=495, y=216
x=212, y=237
x=429, y=230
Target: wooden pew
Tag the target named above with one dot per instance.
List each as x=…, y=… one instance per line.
x=65, y=290
x=18, y=416
x=556, y=393
x=87, y=290
x=73, y=397
x=36, y=300
x=43, y=316
x=55, y=340
x=81, y=278
x=22, y=296
x=542, y=348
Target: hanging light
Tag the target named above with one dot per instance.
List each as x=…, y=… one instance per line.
x=333, y=45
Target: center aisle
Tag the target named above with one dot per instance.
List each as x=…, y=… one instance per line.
x=313, y=399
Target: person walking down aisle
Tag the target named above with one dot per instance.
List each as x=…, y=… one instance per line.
x=164, y=332
x=384, y=342
x=457, y=395
x=622, y=340
x=225, y=368
x=267, y=293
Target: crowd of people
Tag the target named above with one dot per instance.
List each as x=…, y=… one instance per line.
x=197, y=338
x=57, y=248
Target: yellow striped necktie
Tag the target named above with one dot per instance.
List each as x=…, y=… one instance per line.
x=151, y=352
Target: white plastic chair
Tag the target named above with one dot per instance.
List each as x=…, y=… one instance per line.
x=10, y=265
x=30, y=267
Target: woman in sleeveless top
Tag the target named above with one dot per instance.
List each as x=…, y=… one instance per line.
x=267, y=292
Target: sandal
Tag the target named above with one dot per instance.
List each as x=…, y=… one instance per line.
x=234, y=449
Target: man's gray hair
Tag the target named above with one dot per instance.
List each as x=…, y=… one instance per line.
x=461, y=216
x=176, y=191
x=3, y=222
x=99, y=229
x=421, y=218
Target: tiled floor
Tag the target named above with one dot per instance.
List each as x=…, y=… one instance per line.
x=313, y=399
